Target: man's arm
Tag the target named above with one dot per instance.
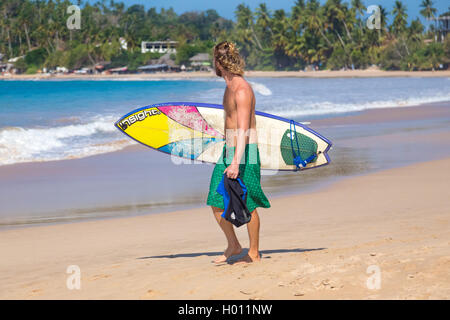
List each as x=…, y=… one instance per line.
x=243, y=113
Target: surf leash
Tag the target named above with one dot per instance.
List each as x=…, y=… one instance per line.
x=297, y=159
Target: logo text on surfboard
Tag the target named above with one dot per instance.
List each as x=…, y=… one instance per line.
x=125, y=123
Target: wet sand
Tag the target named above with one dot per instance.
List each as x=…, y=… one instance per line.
x=123, y=183
x=383, y=115
x=314, y=246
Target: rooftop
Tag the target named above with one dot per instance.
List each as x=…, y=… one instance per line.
x=200, y=57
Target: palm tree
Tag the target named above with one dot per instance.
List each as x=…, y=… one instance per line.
x=336, y=14
x=264, y=24
x=298, y=14
x=359, y=9
x=281, y=37
x=332, y=33
x=415, y=30
x=383, y=18
x=295, y=46
x=400, y=16
x=314, y=20
x=427, y=9
x=399, y=24
x=428, y=12
x=244, y=29
x=7, y=26
x=26, y=13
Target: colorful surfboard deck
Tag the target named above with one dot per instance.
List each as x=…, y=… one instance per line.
x=196, y=131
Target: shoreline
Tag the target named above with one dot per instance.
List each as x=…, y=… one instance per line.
x=250, y=74
x=367, y=116
x=109, y=209
x=313, y=252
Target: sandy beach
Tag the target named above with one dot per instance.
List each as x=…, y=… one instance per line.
x=369, y=73
x=380, y=213
x=116, y=122
x=314, y=246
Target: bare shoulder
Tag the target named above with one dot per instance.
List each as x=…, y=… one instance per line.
x=244, y=91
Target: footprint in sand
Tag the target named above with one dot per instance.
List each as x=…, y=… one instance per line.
x=247, y=292
x=327, y=284
x=100, y=276
x=150, y=294
x=36, y=292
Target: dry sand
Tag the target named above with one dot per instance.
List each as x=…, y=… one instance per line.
x=272, y=74
x=314, y=246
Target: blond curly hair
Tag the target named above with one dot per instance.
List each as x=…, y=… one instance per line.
x=227, y=55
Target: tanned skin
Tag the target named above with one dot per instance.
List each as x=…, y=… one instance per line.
x=240, y=129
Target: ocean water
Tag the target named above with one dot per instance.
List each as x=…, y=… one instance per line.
x=55, y=119
x=41, y=121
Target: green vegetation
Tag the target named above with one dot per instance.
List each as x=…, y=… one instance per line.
x=329, y=36
x=186, y=50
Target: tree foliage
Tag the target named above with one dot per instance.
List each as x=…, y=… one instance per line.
x=330, y=35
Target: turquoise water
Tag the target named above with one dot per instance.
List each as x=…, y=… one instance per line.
x=72, y=120
x=54, y=120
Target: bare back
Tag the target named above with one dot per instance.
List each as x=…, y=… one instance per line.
x=230, y=107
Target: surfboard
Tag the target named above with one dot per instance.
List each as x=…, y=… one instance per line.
x=195, y=131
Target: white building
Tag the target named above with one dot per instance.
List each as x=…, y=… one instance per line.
x=159, y=46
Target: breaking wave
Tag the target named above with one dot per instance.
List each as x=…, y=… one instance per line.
x=72, y=141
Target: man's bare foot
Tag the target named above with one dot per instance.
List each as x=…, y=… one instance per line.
x=230, y=251
x=249, y=258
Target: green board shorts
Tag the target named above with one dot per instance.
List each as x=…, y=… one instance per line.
x=249, y=172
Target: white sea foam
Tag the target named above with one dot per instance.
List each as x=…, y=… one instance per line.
x=261, y=88
x=291, y=109
x=76, y=137
x=56, y=143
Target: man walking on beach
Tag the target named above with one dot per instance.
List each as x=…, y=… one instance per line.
x=240, y=155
